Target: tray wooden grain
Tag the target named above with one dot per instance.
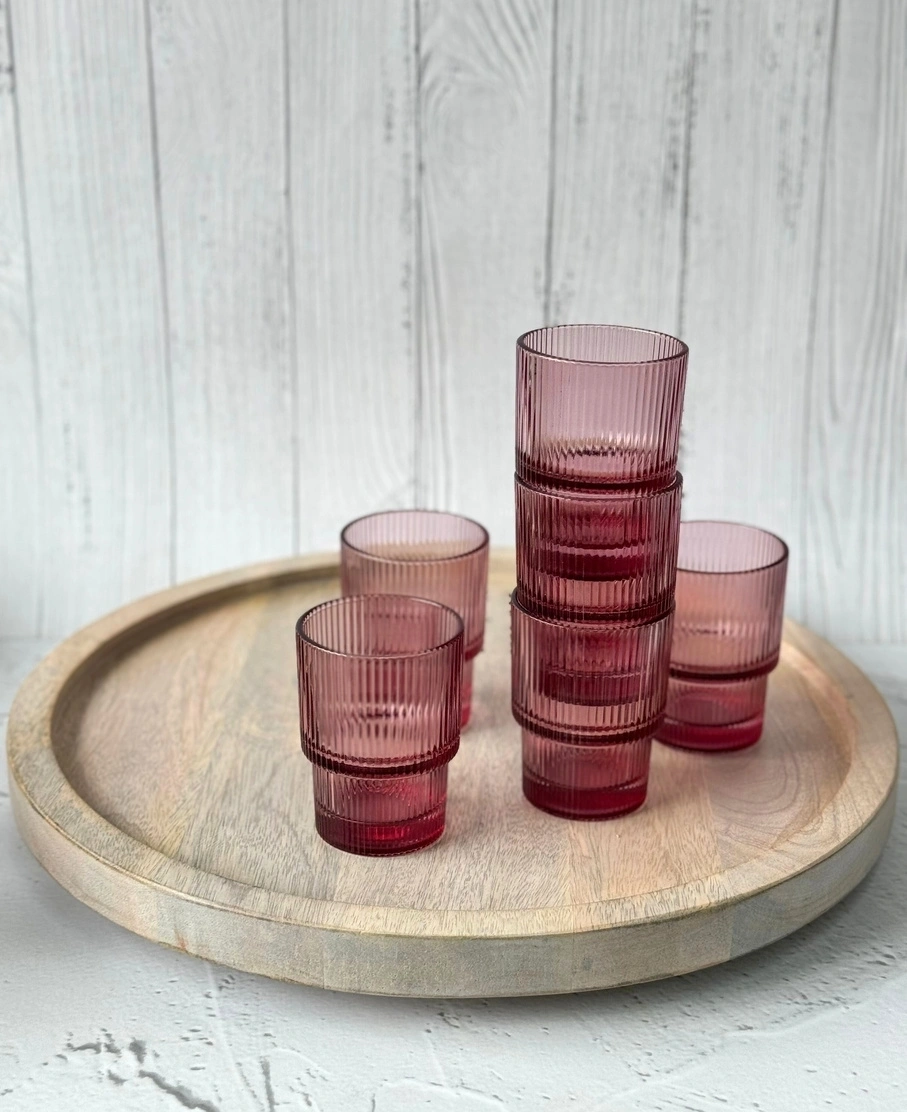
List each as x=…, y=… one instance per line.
x=156, y=773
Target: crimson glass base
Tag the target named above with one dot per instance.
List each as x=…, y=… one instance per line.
x=712, y=713
x=585, y=781
x=381, y=816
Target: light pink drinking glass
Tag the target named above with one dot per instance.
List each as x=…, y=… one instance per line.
x=427, y=554
x=379, y=713
x=597, y=555
x=598, y=405
x=727, y=634
x=588, y=696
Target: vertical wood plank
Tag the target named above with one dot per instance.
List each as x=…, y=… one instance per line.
x=82, y=90
x=855, y=519
x=756, y=156
x=619, y=171
x=485, y=109
x=352, y=173
x=20, y=474
x=219, y=96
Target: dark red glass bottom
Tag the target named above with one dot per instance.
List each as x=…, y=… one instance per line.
x=587, y=781
x=713, y=714
x=380, y=816
x=689, y=735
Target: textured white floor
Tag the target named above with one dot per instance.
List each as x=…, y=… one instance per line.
x=92, y=1017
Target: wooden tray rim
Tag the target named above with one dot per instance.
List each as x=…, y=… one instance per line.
x=41, y=791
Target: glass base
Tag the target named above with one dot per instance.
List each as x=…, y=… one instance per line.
x=381, y=816
x=715, y=739
x=589, y=782
x=714, y=714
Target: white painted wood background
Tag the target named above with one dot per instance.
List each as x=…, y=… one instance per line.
x=262, y=265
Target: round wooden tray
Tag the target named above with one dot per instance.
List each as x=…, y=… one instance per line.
x=156, y=773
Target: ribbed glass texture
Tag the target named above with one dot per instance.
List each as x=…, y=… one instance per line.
x=582, y=781
x=597, y=555
x=589, y=681
x=730, y=600
x=381, y=815
x=427, y=554
x=379, y=699
x=598, y=405
x=727, y=634
x=714, y=713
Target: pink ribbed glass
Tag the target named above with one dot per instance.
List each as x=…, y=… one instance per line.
x=727, y=633
x=714, y=714
x=379, y=712
x=585, y=555
x=589, y=681
x=428, y=554
x=598, y=405
x=585, y=781
x=730, y=599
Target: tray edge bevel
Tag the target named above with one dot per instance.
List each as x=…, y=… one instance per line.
x=78, y=650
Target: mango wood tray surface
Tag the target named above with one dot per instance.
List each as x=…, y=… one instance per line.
x=156, y=773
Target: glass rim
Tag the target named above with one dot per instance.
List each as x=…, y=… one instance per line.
x=345, y=599
x=483, y=542
x=614, y=622
x=626, y=492
x=523, y=344
x=785, y=551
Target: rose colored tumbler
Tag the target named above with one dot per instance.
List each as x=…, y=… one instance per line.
x=427, y=554
x=598, y=405
x=379, y=712
x=727, y=634
x=599, y=681
x=589, y=696
x=605, y=554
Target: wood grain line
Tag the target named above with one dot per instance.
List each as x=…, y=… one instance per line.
x=292, y=339
x=687, y=164
x=223, y=208
x=167, y=354
x=624, y=91
x=855, y=521
x=810, y=361
x=552, y=176
x=485, y=117
x=22, y=449
x=353, y=162
x=756, y=171
x=420, y=492
x=82, y=94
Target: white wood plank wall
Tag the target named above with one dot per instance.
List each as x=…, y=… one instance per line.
x=262, y=266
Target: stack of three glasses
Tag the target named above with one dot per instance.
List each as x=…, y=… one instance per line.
x=598, y=515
